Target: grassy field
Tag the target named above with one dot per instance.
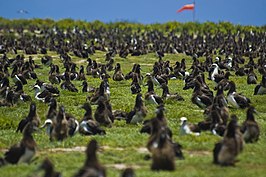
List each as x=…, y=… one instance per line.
x=123, y=145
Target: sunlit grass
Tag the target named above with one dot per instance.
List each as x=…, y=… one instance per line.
x=122, y=142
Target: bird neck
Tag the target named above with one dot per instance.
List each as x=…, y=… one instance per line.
x=160, y=115
x=138, y=103
x=88, y=115
x=250, y=115
x=101, y=91
x=52, y=108
x=150, y=87
x=232, y=88
x=91, y=159
x=28, y=141
x=162, y=140
x=220, y=91
x=32, y=113
x=227, y=75
x=165, y=91
x=231, y=130
x=117, y=69
x=49, y=171
x=60, y=117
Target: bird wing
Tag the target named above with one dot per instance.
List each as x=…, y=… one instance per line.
x=14, y=153
x=241, y=100
x=22, y=124
x=130, y=116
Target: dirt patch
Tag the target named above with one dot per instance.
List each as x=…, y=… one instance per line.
x=198, y=153
x=147, y=64
x=77, y=149
x=74, y=149
x=143, y=150
x=122, y=166
x=112, y=148
x=3, y=150
x=81, y=61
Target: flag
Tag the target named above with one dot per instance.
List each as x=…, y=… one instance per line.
x=186, y=7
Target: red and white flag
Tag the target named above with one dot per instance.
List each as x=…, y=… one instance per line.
x=186, y=7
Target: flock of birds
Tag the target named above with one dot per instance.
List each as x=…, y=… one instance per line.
x=60, y=124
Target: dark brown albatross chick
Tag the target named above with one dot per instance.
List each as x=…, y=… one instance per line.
x=250, y=127
x=226, y=151
x=91, y=167
x=48, y=168
x=161, y=148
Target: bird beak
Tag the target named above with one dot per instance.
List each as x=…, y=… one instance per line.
x=43, y=126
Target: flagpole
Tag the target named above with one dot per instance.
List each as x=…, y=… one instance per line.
x=194, y=11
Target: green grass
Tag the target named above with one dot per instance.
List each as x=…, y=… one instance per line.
x=122, y=143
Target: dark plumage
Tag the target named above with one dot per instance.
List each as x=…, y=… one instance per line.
x=100, y=93
x=86, y=87
x=68, y=85
x=4, y=85
x=102, y=114
x=50, y=116
x=139, y=112
x=150, y=95
x=130, y=74
x=200, y=97
x=24, y=151
x=60, y=127
x=251, y=77
x=118, y=74
x=226, y=151
x=261, y=88
x=222, y=77
x=19, y=92
x=147, y=124
x=235, y=99
x=91, y=167
x=81, y=74
x=218, y=125
x=50, y=88
x=170, y=96
x=48, y=168
x=88, y=126
x=44, y=92
x=73, y=124
x=52, y=112
x=47, y=60
x=250, y=127
x=31, y=118
x=128, y=172
x=19, y=77
x=54, y=78
x=161, y=148
x=95, y=72
x=135, y=85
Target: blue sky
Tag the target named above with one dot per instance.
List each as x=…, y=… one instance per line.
x=244, y=12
